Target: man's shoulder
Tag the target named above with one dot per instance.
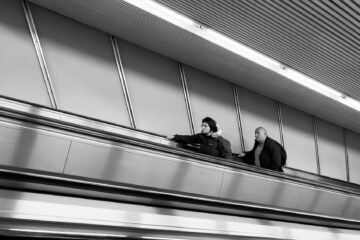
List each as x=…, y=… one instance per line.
x=271, y=142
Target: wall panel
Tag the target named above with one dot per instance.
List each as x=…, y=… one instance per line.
x=256, y=189
x=155, y=90
x=331, y=150
x=299, y=140
x=28, y=148
x=353, y=147
x=257, y=111
x=82, y=67
x=142, y=168
x=20, y=73
x=328, y=203
x=210, y=96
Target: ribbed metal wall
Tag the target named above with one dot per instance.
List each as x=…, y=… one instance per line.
x=319, y=38
x=325, y=57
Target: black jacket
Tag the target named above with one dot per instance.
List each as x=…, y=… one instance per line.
x=270, y=156
x=217, y=147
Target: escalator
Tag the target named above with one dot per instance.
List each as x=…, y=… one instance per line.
x=67, y=177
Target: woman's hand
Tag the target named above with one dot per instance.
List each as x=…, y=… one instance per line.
x=241, y=155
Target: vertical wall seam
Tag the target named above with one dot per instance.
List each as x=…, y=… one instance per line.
x=125, y=89
x=345, y=135
x=316, y=145
x=238, y=115
x=40, y=54
x=67, y=156
x=187, y=97
x=221, y=184
x=280, y=122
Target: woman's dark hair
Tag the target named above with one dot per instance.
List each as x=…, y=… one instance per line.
x=211, y=122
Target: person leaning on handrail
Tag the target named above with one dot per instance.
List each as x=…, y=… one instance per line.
x=210, y=141
x=266, y=153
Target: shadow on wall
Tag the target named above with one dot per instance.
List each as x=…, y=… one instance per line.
x=65, y=40
x=13, y=17
x=26, y=140
x=212, y=94
x=141, y=63
x=114, y=164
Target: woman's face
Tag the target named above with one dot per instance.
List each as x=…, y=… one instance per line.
x=205, y=128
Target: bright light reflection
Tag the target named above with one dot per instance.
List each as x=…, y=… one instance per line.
x=350, y=102
x=162, y=12
x=163, y=238
x=242, y=50
x=310, y=83
x=68, y=233
x=221, y=40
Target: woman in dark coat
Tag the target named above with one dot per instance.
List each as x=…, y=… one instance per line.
x=214, y=146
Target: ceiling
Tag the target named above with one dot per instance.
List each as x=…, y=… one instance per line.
x=320, y=38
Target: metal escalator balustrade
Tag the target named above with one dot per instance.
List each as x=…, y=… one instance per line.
x=30, y=112
x=87, y=209
x=104, y=156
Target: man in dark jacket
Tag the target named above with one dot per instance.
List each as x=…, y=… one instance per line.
x=214, y=146
x=266, y=152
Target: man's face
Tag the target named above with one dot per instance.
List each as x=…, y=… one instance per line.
x=260, y=135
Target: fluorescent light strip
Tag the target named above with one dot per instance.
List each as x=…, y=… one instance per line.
x=223, y=41
x=163, y=12
x=68, y=233
x=163, y=238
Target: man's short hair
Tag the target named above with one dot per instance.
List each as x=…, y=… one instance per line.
x=261, y=128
